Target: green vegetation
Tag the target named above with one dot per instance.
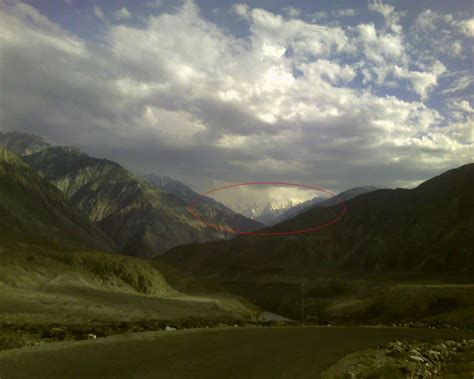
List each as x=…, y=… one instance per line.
x=78, y=292
x=55, y=283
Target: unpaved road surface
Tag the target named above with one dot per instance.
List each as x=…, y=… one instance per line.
x=285, y=352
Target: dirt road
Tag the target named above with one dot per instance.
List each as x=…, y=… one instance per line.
x=287, y=352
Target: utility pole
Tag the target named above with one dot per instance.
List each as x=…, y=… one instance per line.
x=302, y=299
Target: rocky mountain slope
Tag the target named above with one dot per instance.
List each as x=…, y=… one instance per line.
x=22, y=143
x=322, y=202
x=397, y=256
x=426, y=229
x=140, y=219
x=209, y=208
x=34, y=210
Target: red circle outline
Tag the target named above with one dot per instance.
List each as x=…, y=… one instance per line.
x=191, y=208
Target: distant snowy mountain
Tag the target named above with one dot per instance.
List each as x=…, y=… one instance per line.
x=267, y=212
x=322, y=202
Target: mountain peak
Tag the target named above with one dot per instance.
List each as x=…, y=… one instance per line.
x=22, y=143
x=209, y=208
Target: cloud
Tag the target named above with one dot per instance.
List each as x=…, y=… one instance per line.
x=462, y=105
x=379, y=47
x=292, y=12
x=456, y=48
x=461, y=82
x=283, y=103
x=99, y=13
x=154, y=3
x=422, y=82
x=467, y=27
x=443, y=34
x=349, y=12
x=392, y=17
x=122, y=14
x=318, y=16
x=241, y=9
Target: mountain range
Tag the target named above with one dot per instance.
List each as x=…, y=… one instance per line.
x=271, y=214
x=148, y=216
x=267, y=212
x=140, y=218
x=208, y=207
x=59, y=199
x=425, y=229
x=372, y=265
x=321, y=202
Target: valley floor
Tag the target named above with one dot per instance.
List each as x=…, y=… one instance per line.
x=296, y=352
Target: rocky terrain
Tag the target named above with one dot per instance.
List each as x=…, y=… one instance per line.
x=323, y=202
x=398, y=359
x=141, y=218
x=34, y=210
x=209, y=208
x=21, y=143
x=62, y=208
x=393, y=250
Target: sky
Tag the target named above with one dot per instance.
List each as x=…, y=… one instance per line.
x=335, y=94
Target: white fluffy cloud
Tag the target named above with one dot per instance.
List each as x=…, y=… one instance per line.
x=241, y=9
x=443, y=33
x=183, y=97
x=422, y=82
x=392, y=17
x=380, y=47
x=467, y=27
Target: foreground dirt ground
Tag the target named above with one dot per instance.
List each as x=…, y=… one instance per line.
x=296, y=352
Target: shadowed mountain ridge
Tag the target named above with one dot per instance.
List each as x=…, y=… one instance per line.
x=425, y=229
x=34, y=210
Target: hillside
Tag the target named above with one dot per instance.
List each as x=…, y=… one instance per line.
x=32, y=209
x=394, y=251
x=22, y=143
x=58, y=282
x=209, y=208
x=428, y=228
x=140, y=219
x=323, y=202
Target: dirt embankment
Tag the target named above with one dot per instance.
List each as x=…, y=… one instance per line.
x=422, y=360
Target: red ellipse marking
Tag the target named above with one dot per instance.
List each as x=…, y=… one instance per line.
x=195, y=201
